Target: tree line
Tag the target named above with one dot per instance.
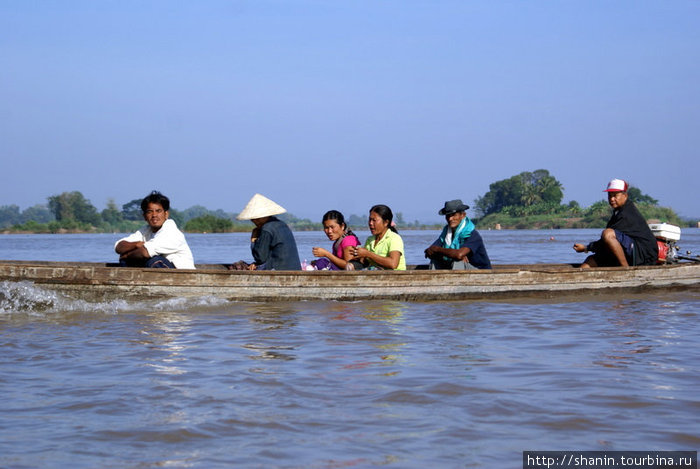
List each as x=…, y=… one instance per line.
x=526, y=200
x=72, y=212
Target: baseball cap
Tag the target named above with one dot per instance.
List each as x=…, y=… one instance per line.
x=617, y=185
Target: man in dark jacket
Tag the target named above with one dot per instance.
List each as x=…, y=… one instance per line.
x=272, y=242
x=459, y=246
x=627, y=239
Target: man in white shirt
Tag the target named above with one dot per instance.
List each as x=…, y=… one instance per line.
x=159, y=244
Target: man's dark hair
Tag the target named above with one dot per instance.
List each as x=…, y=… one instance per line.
x=155, y=197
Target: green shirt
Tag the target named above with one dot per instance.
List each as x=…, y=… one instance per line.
x=390, y=242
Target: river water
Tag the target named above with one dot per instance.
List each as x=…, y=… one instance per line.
x=208, y=383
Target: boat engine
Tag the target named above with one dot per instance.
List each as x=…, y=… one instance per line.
x=666, y=236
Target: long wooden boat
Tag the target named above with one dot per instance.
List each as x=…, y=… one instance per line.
x=104, y=282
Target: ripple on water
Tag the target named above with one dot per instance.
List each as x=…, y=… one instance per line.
x=334, y=384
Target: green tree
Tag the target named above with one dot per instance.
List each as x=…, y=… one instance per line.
x=530, y=195
x=132, y=210
x=523, y=190
x=9, y=215
x=33, y=227
x=635, y=195
x=663, y=214
x=299, y=224
x=195, y=211
x=574, y=208
x=597, y=214
x=73, y=206
x=37, y=213
x=550, y=190
x=221, y=214
x=111, y=214
x=209, y=224
x=501, y=194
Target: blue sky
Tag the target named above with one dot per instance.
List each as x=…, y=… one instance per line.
x=344, y=104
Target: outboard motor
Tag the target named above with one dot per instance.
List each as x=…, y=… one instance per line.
x=666, y=236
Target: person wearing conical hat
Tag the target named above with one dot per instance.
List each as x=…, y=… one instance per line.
x=272, y=242
x=627, y=239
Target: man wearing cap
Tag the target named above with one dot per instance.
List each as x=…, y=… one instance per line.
x=272, y=242
x=459, y=246
x=627, y=239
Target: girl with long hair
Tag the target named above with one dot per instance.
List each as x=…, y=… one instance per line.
x=343, y=241
x=384, y=249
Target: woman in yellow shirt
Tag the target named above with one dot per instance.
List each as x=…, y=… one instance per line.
x=384, y=249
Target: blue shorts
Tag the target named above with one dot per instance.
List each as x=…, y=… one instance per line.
x=605, y=258
x=627, y=244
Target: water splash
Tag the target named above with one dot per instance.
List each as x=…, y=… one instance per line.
x=26, y=297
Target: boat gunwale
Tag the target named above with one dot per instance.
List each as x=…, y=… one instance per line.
x=411, y=270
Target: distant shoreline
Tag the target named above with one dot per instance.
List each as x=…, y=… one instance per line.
x=542, y=225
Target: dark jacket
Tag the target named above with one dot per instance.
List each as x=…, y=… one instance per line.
x=629, y=221
x=275, y=247
x=478, y=257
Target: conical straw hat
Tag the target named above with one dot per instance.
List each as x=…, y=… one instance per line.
x=260, y=206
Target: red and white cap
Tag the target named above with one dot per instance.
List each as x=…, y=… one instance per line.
x=617, y=185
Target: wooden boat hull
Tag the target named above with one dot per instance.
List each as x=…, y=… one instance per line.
x=104, y=282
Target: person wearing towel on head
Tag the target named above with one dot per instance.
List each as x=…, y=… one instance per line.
x=459, y=246
x=272, y=242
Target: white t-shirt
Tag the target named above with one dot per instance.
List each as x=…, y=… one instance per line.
x=168, y=241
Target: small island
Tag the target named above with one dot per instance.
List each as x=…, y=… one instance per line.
x=533, y=200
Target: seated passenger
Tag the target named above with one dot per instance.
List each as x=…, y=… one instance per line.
x=627, y=239
x=272, y=242
x=459, y=246
x=159, y=244
x=384, y=249
x=343, y=241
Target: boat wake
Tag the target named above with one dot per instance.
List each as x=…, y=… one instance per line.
x=25, y=297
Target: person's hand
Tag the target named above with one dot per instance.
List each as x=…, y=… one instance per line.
x=320, y=252
x=430, y=251
x=579, y=247
x=240, y=265
x=359, y=252
x=252, y=267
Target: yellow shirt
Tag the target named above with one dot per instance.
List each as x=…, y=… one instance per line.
x=390, y=242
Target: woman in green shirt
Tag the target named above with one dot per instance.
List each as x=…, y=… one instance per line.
x=384, y=249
